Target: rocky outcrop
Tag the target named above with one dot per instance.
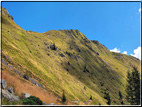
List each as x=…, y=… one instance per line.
x=3, y=84
x=10, y=17
x=9, y=96
x=19, y=73
x=36, y=83
x=26, y=95
x=5, y=12
x=16, y=71
x=6, y=64
x=10, y=89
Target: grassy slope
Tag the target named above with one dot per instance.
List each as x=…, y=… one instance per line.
x=30, y=50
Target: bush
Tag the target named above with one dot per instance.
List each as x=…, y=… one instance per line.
x=68, y=53
x=25, y=77
x=32, y=100
x=53, y=46
x=84, y=88
x=85, y=69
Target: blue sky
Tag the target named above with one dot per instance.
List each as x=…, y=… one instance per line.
x=114, y=24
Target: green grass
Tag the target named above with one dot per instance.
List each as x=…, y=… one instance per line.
x=28, y=49
x=6, y=102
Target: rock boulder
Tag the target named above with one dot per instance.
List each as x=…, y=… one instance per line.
x=9, y=96
x=10, y=89
x=4, y=84
x=26, y=95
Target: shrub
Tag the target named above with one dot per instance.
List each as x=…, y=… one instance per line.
x=25, y=77
x=84, y=88
x=32, y=100
x=85, y=69
x=68, y=53
x=53, y=46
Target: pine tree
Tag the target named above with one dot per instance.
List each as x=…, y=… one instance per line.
x=133, y=87
x=107, y=97
x=85, y=68
x=120, y=95
x=121, y=98
x=91, y=97
x=136, y=85
x=63, y=97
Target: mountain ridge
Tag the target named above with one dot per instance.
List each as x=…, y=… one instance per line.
x=75, y=62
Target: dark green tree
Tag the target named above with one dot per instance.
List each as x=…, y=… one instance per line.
x=84, y=87
x=53, y=46
x=32, y=100
x=85, y=69
x=107, y=97
x=133, y=87
x=121, y=98
x=63, y=97
x=120, y=95
x=91, y=97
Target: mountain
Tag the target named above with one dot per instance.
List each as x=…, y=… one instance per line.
x=45, y=64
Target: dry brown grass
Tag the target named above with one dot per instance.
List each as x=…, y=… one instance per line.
x=20, y=86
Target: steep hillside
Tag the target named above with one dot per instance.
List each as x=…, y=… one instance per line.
x=64, y=60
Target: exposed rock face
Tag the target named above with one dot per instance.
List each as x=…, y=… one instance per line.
x=5, y=12
x=18, y=72
x=26, y=95
x=9, y=96
x=4, y=84
x=6, y=64
x=36, y=83
x=10, y=17
x=10, y=89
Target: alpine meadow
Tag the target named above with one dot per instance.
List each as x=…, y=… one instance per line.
x=63, y=67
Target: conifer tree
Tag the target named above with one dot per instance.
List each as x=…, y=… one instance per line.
x=121, y=98
x=63, y=97
x=107, y=97
x=120, y=95
x=133, y=87
x=91, y=97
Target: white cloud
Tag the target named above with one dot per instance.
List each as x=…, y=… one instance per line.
x=140, y=10
x=115, y=50
x=125, y=52
x=137, y=53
